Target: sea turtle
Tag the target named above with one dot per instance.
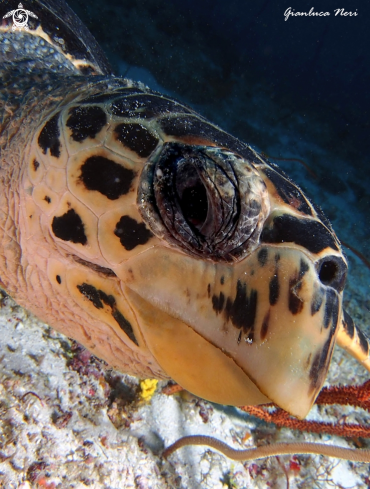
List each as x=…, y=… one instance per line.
x=166, y=246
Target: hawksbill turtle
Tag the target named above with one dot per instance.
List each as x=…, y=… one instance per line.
x=164, y=245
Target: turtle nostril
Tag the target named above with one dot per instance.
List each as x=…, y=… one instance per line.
x=328, y=272
x=332, y=272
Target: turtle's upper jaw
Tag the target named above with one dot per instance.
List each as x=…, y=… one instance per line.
x=262, y=329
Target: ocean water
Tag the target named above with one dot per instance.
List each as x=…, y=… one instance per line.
x=296, y=90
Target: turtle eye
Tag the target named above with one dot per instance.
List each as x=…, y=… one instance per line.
x=192, y=195
x=195, y=197
x=206, y=200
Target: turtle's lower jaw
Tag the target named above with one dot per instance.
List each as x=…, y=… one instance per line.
x=191, y=360
x=260, y=330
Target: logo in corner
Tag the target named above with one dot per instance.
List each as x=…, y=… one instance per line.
x=20, y=18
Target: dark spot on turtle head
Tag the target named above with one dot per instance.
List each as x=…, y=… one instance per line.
x=131, y=233
x=262, y=256
x=136, y=138
x=124, y=324
x=243, y=309
x=303, y=268
x=315, y=372
x=131, y=273
x=47, y=199
x=92, y=294
x=49, y=137
x=295, y=303
x=86, y=122
x=69, y=227
x=274, y=289
x=98, y=298
x=35, y=164
x=222, y=280
x=218, y=302
x=348, y=324
x=265, y=326
x=307, y=364
x=239, y=337
x=209, y=290
x=364, y=341
x=58, y=279
x=277, y=257
x=317, y=300
x=321, y=360
x=307, y=233
x=286, y=189
x=331, y=313
x=106, y=176
x=320, y=363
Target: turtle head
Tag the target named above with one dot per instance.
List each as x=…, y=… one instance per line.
x=241, y=300
x=178, y=242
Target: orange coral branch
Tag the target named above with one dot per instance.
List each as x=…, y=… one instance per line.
x=283, y=419
x=353, y=395
x=350, y=395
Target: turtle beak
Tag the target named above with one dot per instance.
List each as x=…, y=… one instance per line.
x=246, y=333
